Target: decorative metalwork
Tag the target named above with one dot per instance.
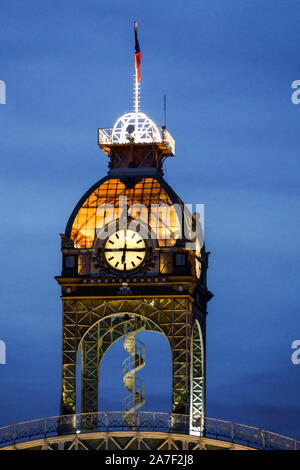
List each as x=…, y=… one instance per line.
x=66, y=242
x=100, y=262
x=135, y=127
x=155, y=430
x=143, y=131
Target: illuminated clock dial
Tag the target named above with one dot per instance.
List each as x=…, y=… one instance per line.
x=125, y=250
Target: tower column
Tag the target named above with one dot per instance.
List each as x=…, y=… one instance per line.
x=180, y=340
x=170, y=316
x=90, y=356
x=69, y=360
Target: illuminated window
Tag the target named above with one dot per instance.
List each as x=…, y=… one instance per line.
x=84, y=265
x=166, y=263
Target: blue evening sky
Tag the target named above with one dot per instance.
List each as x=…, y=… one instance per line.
x=227, y=68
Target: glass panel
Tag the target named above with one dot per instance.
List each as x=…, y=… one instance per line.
x=102, y=206
x=166, y=262
x=84, y=265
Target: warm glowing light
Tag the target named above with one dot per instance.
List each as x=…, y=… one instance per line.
x=136, y=126
x=94, y=212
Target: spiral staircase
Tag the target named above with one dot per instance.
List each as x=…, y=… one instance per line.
x=132, y=383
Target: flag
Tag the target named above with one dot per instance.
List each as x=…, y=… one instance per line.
x=138, y=54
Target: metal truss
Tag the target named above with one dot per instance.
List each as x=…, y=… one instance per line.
x=197, y=379
x=151, y=430
x=128, y=441
x=96, y=324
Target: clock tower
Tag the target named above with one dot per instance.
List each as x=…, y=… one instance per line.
x=133, y=259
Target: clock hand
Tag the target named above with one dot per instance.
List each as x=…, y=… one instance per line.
x=124, y=253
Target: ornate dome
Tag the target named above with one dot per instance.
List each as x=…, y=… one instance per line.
x=137, y=127
x=93, y=210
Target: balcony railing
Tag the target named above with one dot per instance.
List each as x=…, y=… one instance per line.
x=145, y=421
x=157, y=134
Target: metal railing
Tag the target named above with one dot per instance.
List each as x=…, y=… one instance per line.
x=107, y=136
x=144, y=421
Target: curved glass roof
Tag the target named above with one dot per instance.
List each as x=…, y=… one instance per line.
x=95, y=210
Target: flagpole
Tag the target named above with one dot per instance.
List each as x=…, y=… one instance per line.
x=136, y=94
x=137, y=58
x=135, y=103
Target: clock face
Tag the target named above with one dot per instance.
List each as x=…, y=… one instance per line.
x=125, y=250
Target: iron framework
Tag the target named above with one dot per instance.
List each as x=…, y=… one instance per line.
x=154, y=431
x=95, y=324
x=145, y=132
x=197, y=379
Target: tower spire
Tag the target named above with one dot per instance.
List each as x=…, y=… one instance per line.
x=137, y=77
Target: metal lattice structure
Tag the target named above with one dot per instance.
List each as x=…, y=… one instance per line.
x=197, y=379
x=151, y=431
x=145, y=132
x=96, y=324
